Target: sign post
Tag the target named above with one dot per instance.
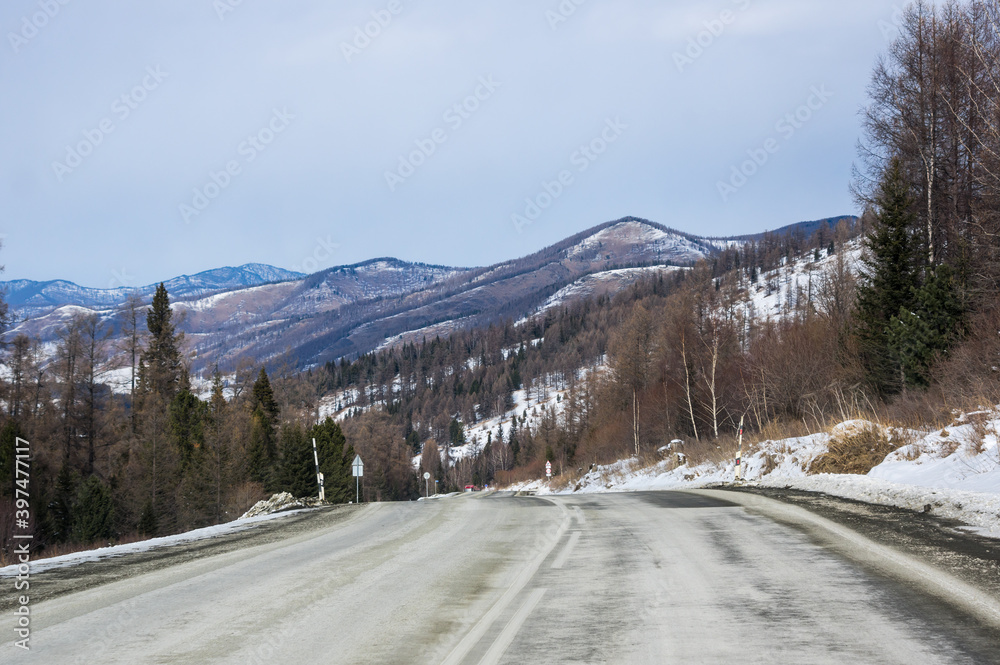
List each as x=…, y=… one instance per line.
x=319, y=476
x=427, y=484
x=548, y=469
x=739, y=456
x=357, y=470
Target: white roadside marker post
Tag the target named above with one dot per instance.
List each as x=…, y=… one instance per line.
x=739, y=457
x=319, y=476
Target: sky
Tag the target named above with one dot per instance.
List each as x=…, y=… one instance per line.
x=145, y=140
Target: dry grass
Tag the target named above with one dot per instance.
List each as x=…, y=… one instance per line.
x=857, y=452
x=51, y=551
x=981, y=427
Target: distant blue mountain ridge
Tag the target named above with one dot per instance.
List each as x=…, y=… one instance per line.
x=24, y=294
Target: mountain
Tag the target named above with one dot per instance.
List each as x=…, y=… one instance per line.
x=30, y=297
x=274, y=316
x=806, y=229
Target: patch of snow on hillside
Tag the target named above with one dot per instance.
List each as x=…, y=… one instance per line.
x=586, y=285
x=639, y=234
x=209, y=302
x=778, y=292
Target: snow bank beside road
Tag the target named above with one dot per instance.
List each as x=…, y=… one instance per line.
x=953, y=472
x=77, y=558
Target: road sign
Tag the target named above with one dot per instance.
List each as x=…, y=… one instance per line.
x=427, y=483
x=548, y=469
x=427, y=475
x=357, y=470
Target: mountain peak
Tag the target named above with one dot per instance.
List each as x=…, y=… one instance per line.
x=634, y=240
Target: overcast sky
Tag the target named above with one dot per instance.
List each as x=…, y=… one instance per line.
x=312, y=118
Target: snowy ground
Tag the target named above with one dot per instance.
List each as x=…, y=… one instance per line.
x=547, y=397
x=777, y=292
x=952, y=472
x=76, y=558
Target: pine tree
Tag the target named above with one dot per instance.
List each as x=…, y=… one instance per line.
x=62, y=505
x=94, y=514
x=160, y=366
x=298, y=468
x=8, y=442
x=456, y=433
x=889, y=280
x=263, y=421
x=335, y=458
x=148, y=524
x=187, y=424
x=919, y=336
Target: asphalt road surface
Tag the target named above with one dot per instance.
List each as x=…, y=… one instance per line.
x=665, y=577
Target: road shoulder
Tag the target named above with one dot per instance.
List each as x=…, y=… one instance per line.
x=933, y=554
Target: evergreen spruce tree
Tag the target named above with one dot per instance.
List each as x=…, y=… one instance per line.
x=62, y=505
x=456, y=433
x=335, y=458
x=148, y=524
x=94, y=515
x=263, y=421
x=160, y=366
x=918, y=336
x=187, y=424
x=889, y=280
x=8, y=442
x=298, y=468
x=514, y=443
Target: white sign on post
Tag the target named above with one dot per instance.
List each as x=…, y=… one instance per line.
x=548, y=469
x=357, y=470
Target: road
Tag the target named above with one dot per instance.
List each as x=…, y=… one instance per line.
x=663, y=577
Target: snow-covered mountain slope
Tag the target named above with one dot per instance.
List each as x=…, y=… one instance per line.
x=266, y=314
x=777, y=293
x=607, y=282
x=639, y=241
